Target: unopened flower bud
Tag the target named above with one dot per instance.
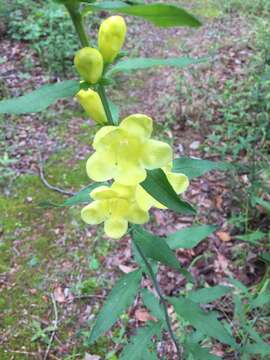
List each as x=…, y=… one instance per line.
x=111, y=36
x=89, y=64
x=91, y=102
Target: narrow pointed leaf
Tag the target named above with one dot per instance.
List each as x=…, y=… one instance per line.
x=158, y=186
x=207, y=295
x=81, y=197
x=206, y=323
x=193, y=168
x=39, y=99
x=120, y=298
x=156, y=248
x=141, y=346
x=146, y=63
x=153, y=305
x=188, y=238
x=162, y=15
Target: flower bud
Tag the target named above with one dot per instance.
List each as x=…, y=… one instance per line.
x=92, y=104
x=111, y=37
x=89, y=64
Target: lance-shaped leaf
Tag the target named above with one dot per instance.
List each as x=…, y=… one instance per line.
x=206, y=323
x=207, y=295
x=153, y=304
x=120, y=298
x=158, y=186
x=193, y=168
x=190, y=237
x=156, y=248
x=141, y=346
x=39, y=99
x=162, y=15
x=81, y=197
x=146, y=63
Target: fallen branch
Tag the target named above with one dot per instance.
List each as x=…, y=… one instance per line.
x=45, y=182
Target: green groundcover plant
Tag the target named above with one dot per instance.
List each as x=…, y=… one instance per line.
x=131, y=173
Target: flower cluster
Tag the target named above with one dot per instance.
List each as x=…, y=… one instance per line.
x=123, y=153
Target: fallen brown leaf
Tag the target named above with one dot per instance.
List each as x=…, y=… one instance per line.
x=143, y=315
x=224, y=236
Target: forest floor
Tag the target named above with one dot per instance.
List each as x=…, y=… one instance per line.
x=54, y=267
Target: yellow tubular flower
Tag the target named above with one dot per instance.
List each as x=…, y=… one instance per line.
x=178, y=181
x=89, y=64
x=115, y=206
x=111, y=37
x=124, y=152
x=92, y=104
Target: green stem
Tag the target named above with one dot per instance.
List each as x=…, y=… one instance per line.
x=73, y=9
x=161, y=299
x=105, y=103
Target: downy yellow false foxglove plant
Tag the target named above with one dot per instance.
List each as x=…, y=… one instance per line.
x=136, y=171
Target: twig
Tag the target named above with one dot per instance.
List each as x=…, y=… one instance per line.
x=55, y=325
x=45, y=182
x=161, y=299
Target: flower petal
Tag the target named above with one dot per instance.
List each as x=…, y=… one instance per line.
x=156, y=154
x=179, y=182
x=115, y=227
x=95, y=213
x=102, y=193
x=123, y=191
x=129, y=173
x=101, y=166
x=146, y=201
x=138, y=125
x=101, y=133
x=137, y=215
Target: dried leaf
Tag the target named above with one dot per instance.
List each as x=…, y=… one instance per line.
x=143, y=315
x=224, y=236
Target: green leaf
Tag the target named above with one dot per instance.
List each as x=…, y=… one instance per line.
x=141, y=345
x=146, y=63
x=159, y=14
x=207, y=295
x=265, y=257
x=263, y=203
x=153, y=304
x=140, y=262
x=260, y=300
x=207, y=323
x=158, y=186
x=252, y=238
x=115, y=112
x=39, y=99
x=81, y=197
x=120, y=298
x=198, y=352
x=193, y=168
x=188, y=238
x=156, y=248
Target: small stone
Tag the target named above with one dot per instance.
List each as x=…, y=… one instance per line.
x=194, y=145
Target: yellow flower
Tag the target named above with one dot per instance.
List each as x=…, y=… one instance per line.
x=91, y=102
x=111, y=36
x=89, y=64
x=178, y=181
x=124, y=152
x=115, y=206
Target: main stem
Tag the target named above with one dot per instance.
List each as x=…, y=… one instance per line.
x=161, y=299
x=73, y=9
